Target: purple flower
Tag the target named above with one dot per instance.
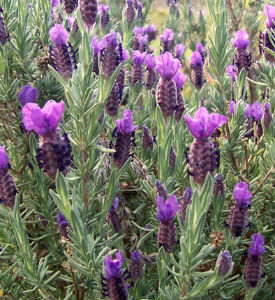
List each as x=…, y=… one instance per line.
x=225, y=263
x=135, y=256
x=125, y=55
x=96, y=45
x=27, y=94
x=4, y=160
x=150, y=61
x=203, y=124
x=256, y=111
x=179, y=79
x=267, y=106
x=218, y=186
x=140, y=30
x=136, y=265
x=242, y=194
x=168, y=210
x=200, y=49
x=196, y=59
x=167, y=66
x=113, y=268
x=138, y=57
x=63, y=224
x=241, y=40
x=104, y=8
x=179, y=50
x=167, y=36
x=55, y=3
x=151, y=29
x=125, y=124
x=269, y=10
x=231, y=70
x=110, y=40
x=58, y=34
x=256, y=248
x=42, y=120
x=114, y=206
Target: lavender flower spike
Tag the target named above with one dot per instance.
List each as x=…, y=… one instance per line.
x=253, y=265
x=179, y=50
x=186, y=200
x=151, y=75
x=7, y=186
x=125, y=131
x=269, y=11
x=104, y=15
x=203, y=158
x=137, y=73
x=241, y=40
x=225, y=263
x=167, y=66
x=167, y=39
x=89, y=9
x=113, y=216
x=147, y=140
x=3, y=33
x=130, y=11
x=161, y=190
x=242, y=57
x=63, y=224
x=167, y=229
x=238, y=218
x=179, y=80
x=256, y=111
x=136, y=266
x=116, y=286
x=27, y=94
x=196, y=64
x=267, y=116
x=70, y=6
x=59, y=34
x=201, y=50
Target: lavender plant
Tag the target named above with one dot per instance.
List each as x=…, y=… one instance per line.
x=171, y=173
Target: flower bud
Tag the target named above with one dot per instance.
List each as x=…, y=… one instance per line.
x=225, y=263
x=88, y=9
x=136, y=266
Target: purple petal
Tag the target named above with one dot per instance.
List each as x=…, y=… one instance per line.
x=179, y=79
x=269, y=10
x=125, y=124
x=168, y=210
x=114, y=205
x=256, y=248
x=96, y=45
x=200, y=49
x=231, y=70
x=179, y=50
x=113, y=268
x=167, y=36
x=196, y=59
x=138, y=57
x=104, y=8
x=4, y=160
x=27, y=94
x=135, y=256
x=111, y=40
x=242, y=194
x=150, y=61
x=196, y=127
x=256, y=111
x=53, y=113
x=58, y=34
x=241, y=39
x=167, y=65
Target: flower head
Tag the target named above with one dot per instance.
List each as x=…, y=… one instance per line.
x=167, y=65
x=142, y=39
x=256, y=111
x=104, y=8
x=231, y=70
x=203, y=124
x=4, y=160
x=114, y=206
x=110, y=40
x=96, y=45
x=125, y=124
x=256, y=248
x=168, y=210
x=179, y=50
x=151, y=29
x=167, y=36
x=267, y=106
x=241, y=40
x=125, y=55
x=59, y=34
x=113, y=268
x=269, y=10
x=150, y=61
x=242, y=194
x=63, y=224
x=179, y=79
x=27, y=94
x=135, y=256
x=196, y=59
x=138, y=57
x=200, y=49
x=140, y=30
x=225, y=262
x=42, y=120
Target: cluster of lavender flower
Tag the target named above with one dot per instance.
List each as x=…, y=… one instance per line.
x=165, y=79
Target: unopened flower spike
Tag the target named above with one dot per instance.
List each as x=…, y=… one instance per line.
x=239, y=217
x=179, y=50
x=242, y=57
x=124, y=139
x=196, y=64
x=167, y=211
x=167, y=40
x=173, y=8
x=62, y=55
x=3, y=33
x=179, y=80
x=130, y=11
x=70, y=6
x=152, y=32
x=114, y=284
x=147, y=140
x=7, y=186
x=63, y=224
x=267, y=115
x=27, y=94
x=89, y=10
x=254, y=264
x=151, y=75
x=113, y=216
x=203, y=157
x=201, y=50
x=161, y=190
x=183, y=204
x=218, y=186
x=167, y=67
x=104, y=15
x=225, y=263
x=54, y=152
x=136, y=266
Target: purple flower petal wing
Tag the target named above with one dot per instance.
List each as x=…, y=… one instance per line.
x=34, y=118
x=196, y=127
x=53, y=113
x=4, y=160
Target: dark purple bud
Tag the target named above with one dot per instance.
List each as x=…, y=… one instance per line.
x=113, y=216
x=137, y=72
x=3, y=33
x=179, y=50
x=267, y=116
x=167, y=40
x=136, y=266
x=218, y=186
x=201, y=50
x=253, y=265
x=225, y=263
x=161, y=190
x=27, y=94
x=172, y=158
x=186, y=200
x=125, y=131
x=231, y=70
x=104, y=15
x=7, y=186
x=152, y=32
x=113, y=102
x=43, y=121
x=147, y=140
x=43, y=221
x=88, y=9
x=196, y=64
x=63, y=224
x=130, y=12
x=70, y=6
